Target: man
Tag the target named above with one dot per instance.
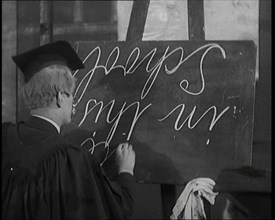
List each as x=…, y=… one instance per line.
x=44, y=176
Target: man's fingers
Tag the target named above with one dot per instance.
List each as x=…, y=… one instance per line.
x=119, y=148
x=125, y=148
x=130, y=147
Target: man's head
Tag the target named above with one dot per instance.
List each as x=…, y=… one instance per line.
x=51, y=88
x=49, y=82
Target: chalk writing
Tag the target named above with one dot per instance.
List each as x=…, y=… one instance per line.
x=152, y=70
x=190, y=116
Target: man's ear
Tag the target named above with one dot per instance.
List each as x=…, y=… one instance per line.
x=59, y=99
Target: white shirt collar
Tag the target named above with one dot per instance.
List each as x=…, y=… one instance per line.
x=49, y=120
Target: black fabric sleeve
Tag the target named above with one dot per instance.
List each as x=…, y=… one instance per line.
x=127, y=184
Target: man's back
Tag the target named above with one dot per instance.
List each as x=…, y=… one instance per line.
x=45, y=177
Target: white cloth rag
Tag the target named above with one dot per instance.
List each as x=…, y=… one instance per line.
x=189, y=205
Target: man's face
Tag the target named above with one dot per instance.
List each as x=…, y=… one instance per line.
x=67, y=106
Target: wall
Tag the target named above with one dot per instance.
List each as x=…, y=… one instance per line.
x=8, y=69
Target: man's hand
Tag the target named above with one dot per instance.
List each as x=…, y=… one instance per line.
x=125, y=158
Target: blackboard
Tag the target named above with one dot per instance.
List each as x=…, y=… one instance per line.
x=186, y=106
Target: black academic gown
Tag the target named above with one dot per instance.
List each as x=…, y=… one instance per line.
x=46, y=177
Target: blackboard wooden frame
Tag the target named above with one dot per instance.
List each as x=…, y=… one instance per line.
x=196, y=31
x=135, y=31
x=168, y=191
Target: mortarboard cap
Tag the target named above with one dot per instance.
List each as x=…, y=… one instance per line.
x=59, y=52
